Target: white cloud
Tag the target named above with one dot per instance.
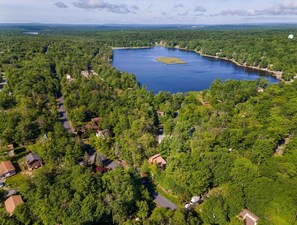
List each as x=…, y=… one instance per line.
x=100, y=4
x=286, y=8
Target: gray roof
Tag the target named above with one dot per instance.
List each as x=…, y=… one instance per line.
x=32, y=157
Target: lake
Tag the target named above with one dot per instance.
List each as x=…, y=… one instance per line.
x=196, y=75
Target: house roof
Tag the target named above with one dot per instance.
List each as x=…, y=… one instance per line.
x=90, y=126
x=12, y=202
x=96, y=120
x=5, y=167
x=32, y=157
x=249, y=217
x=157, y=159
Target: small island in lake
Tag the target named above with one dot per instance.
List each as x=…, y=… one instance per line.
x=170, y=60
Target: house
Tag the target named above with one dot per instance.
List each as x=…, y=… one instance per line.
x=249, y=217
x=104, y=134
x=6, y=169
x=260, y=89
x=90, y=126
x=96, y=120
x=291, y=36
x=33, y=161
x=206, y=104
x=157, y=159
x=12, y=202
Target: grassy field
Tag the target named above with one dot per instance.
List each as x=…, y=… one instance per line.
x=170, y=60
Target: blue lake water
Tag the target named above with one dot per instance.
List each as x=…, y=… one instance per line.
x=196, y=75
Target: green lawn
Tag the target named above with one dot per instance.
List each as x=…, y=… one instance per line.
x=16, y=180
x=170, y=60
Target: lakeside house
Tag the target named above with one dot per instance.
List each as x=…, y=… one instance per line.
x=248, y=217
x=6, y=169
x=158, y=159
x=33, y=161
x=12, y=202
x=206, y=104
x=260, y=89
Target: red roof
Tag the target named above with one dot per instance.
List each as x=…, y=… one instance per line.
x=5, y=167
x=249, y=217
x=157, y=159
x=12, y=202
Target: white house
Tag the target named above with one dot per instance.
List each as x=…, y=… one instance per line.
x=291, y=36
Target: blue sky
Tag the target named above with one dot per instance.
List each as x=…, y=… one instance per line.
x=148, y=11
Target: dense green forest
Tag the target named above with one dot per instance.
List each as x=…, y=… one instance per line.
x=237, y=151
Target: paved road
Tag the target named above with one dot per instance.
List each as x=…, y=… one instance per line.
x=63, y=114
x=164, y=202
x=158, y=198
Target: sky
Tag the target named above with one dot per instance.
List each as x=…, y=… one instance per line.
x=148, y=11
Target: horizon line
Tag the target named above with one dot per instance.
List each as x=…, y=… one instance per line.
x=148, y=24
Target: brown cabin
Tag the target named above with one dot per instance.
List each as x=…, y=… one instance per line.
x=33, y=161
x=6, y=169
x=12, y=202
x=157, y=159
x=97, y=120
x=248, y=217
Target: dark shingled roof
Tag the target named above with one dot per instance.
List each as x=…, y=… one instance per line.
x=32, y=157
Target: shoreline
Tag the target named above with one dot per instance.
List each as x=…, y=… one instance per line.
x=127, y=48
x=276, y=74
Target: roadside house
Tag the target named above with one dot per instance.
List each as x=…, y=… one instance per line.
x=33, y=161
x=12, y=202
x=157, y=159
x=249, y=217
x=6, y=169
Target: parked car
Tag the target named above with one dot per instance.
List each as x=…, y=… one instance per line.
x=1, y=183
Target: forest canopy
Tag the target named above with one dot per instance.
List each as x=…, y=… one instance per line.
x=233, y=145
